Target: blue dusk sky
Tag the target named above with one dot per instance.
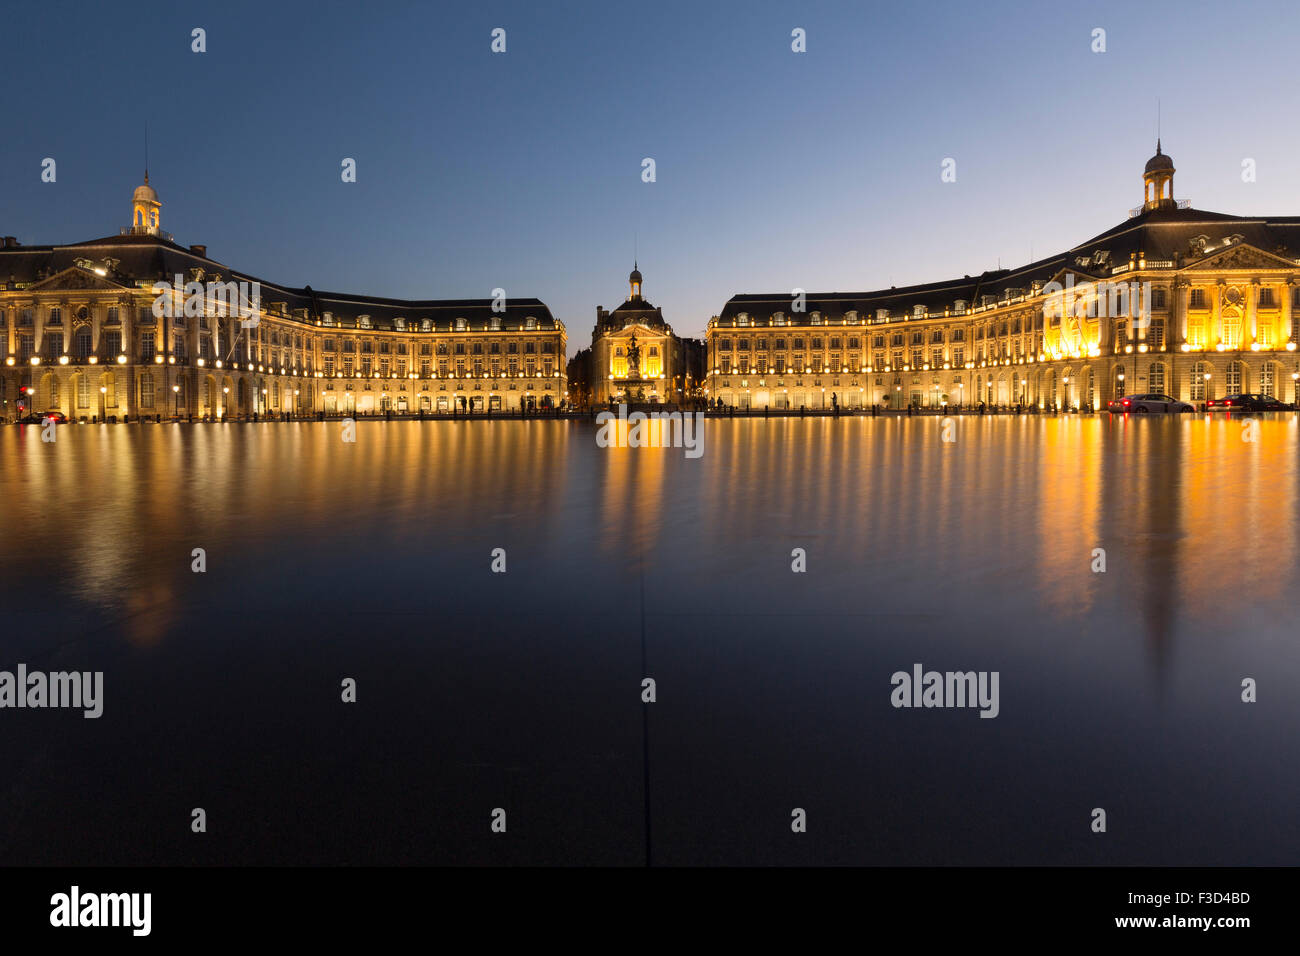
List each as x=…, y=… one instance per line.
x=774, y=169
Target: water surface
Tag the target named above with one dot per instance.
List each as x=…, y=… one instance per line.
x=521, y=690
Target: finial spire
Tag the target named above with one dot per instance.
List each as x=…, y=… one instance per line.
x=146, y=152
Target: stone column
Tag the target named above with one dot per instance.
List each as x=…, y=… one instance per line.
x=1252, y=298
x=1288, y=326
x=1215, y=334
x=1178, y=323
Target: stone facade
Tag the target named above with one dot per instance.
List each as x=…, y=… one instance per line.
x=81, y=334
x=664, y=373
x=1156, y=304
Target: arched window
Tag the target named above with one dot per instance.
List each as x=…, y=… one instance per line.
x=1196, y=381
x=1268, y=379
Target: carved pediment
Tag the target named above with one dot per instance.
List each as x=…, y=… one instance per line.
x=76, y=279
x=1243, y=256
x=1081, y=276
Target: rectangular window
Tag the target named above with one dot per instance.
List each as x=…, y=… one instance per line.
x=1198, y=299
x=1156, y=334
x=1231, y=332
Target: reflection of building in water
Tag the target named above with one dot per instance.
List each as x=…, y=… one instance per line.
x=1222, y=290
x=636, y=356
x=78, y=328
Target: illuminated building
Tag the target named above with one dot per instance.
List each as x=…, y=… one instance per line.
x=636, y=356
x=1152, y=305
x=78, y=326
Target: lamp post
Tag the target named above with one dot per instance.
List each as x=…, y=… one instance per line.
x=225, y=397
x=1207, y=391
x=176, y=401
x=103, y=404
x=1295, y=388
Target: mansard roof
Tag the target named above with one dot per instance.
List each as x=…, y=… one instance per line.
x=146, y=258
x=1179, y=237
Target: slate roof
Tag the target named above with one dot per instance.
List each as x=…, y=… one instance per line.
x=153, y=258
x=1158, y=234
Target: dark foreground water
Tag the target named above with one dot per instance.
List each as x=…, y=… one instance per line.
x=325, y=560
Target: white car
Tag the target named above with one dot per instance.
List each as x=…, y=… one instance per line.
x=1146, y=404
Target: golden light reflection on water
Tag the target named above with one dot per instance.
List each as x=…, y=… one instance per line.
x=1194, y=520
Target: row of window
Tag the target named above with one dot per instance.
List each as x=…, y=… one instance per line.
x=1197, y=300
x=443, y=348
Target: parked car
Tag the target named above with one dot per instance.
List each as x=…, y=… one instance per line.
x=1248, y=402
x=1144, y=404
x=38, y=418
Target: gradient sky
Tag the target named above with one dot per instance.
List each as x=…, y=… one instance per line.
x=523, y=170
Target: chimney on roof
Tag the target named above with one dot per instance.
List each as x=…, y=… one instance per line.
x=200, y=251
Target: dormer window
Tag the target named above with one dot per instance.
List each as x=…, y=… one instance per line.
x=363, y=321
x=918, y=312
x=959, y=307
x=882, y=315
x=496, y=323
x=460, y=325
x=530, y=323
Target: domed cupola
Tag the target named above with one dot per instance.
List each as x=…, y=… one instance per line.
x=1158, y=181
x=634, y=280
x=146, y=210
